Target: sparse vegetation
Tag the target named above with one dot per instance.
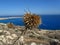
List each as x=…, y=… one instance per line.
x=10, y=25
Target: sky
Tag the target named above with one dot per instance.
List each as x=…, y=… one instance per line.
x=19, y=7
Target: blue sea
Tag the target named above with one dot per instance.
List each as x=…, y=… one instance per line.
x=51, y=22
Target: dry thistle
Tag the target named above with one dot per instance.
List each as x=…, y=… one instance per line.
x=31, y=20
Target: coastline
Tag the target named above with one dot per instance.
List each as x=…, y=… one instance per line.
x=9, y=18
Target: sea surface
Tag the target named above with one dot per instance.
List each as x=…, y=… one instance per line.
x=51, y=22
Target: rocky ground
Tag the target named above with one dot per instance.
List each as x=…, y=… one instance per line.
x=21, y=36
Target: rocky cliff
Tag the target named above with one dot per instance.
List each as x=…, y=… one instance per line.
x=20, y=36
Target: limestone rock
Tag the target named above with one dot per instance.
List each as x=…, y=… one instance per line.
x=21, y=36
